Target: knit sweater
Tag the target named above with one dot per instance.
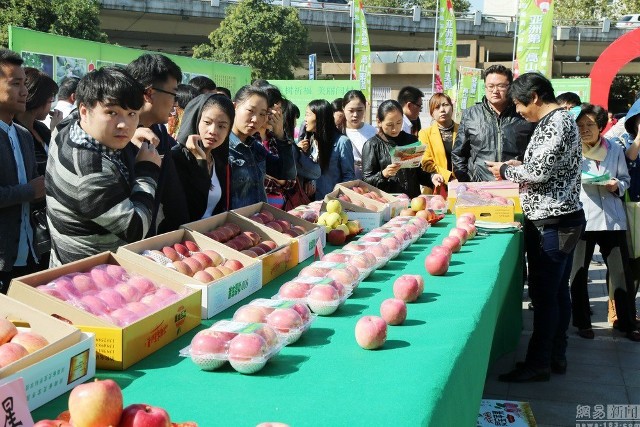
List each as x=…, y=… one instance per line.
x=91, y=207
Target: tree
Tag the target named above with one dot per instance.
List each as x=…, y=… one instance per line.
x=74, y=18
x=267, y=38
x=584, y=10
x=458, y=5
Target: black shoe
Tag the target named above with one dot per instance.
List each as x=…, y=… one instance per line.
x=530, y=306
x=557, y=367
x=586, y=334
x=633, y=335
x=525, y=375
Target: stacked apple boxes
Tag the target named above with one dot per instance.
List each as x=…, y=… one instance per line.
x=118, y=300
x=337, y=224
x=50, y=355
x=304, y=235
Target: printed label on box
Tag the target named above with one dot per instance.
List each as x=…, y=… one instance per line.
x=78, y=366
x=15, y=410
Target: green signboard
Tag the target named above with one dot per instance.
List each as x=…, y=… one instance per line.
x=301, y=92
x=580, y=86
x=60, y=56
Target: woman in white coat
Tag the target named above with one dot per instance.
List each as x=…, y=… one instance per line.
x=606, y=225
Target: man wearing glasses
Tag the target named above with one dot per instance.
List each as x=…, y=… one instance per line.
x=410, y=98
x=160, y=77
x=491, y=130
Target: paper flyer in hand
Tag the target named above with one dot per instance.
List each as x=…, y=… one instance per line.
x=593, y=179
x=409, y=156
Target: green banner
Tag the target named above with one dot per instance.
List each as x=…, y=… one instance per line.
x=60, y=56
x=580, y=86
x=535, y=29
x=301, y=92
x=446, y=77
x=362, y=52
x=469, y=78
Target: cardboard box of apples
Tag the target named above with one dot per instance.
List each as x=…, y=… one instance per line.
x=495, y=189
x=369, y=213
x=393, y=204
x=224, y=275
x=226, y=228
x=337, y=224
x=132, y=310
x=431, y=208
x=304, y=234
x=100, y=403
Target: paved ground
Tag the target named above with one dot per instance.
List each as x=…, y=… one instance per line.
x=602, y=371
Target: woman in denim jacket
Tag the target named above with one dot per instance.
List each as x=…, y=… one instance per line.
x=335, y=154
x=247, y=155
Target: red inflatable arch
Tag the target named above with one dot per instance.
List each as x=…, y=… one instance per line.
x=618, y=54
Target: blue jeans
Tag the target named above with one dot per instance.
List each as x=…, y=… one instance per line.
x=550, y=252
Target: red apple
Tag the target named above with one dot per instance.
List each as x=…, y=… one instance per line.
x=420, y=280
x=393, y=311
x=143, y=415
x=183, y=268
x=210, y=341
x=250, y=314
x=203, y=259
x=371, y=332
x=233, y=264
x=52, y=423
x=294, y=290
x=406, y=288
x=181, y=249
x=336, y=237
x=7, y=331
x=407, y=212
x=436, y=264
x=461, y=233
x=215, y=257
x=470, y=216
x=284, y=319
x=275, y=225
x=192, y=246
x=10, y=352
x=453, y=243
x=97, y=403
x=203, y=276
x=193, y=264
x=440, y=249
x=171, y=253
x=245, y=347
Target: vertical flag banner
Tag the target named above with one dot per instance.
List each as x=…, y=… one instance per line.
x=362, y=52
x=467, y=89
x=446, y=76
x=535, y=28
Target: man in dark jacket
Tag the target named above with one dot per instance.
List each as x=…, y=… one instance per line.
x=491, y=130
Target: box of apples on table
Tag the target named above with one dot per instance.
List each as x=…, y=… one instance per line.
x=304, y=234
x=269, y=246
x=369, y=213
x=393, y=204
x=132, y=310
x=224, y=275
x=501, y=191
x=50, y=355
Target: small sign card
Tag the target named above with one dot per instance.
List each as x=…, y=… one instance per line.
x=15, y=410
x=505, y=413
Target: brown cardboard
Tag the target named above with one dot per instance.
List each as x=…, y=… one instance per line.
x=395, y=205
x=116, y=348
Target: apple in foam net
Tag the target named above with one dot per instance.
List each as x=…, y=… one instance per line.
x=436, y=264
x=128, y=292
x=11, y=352
x=95, y=305
x=154, y=302
x=303, y=311
x=245, y=347
x=143, y=415
x=250, y=314
x=324, y=293
x=142, y=284
x=294, y=290
x=284, y=319
x=371, y=332
x=453, y=243
x=111, y=298
x=209, y=341
x=83, y=283
x=101, y=278
x=166, y=293
x=139, y=308
x=97, y=403
x=49, y=290
x=406, y=288
x=31, y=341
x=7, y=330
x=393, y=311
x=123, y=317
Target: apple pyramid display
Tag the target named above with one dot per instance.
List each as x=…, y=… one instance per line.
x=337, y=223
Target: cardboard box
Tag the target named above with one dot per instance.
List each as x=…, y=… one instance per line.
x=394, y=204
x=116, y=348
x=216, y=295
x=507, y=189
x=368, y=219
x=59, y=373
x=274, y=263
x=489, y=213
x=305, y=244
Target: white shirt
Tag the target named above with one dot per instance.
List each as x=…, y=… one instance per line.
x=215, y=194
x=406, y=124
x=64, y=107
x=358, y=137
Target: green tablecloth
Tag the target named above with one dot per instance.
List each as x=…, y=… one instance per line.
x=431, y=371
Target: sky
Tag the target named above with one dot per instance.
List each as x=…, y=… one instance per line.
x=476, y=5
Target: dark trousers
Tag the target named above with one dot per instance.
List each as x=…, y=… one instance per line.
x=615, y=253
x=549, y=252
x=31, y=267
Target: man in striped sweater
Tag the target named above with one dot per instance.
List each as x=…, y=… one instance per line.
x=91, y=206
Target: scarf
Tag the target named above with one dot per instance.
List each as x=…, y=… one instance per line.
x=597, y=152
x=80, y=138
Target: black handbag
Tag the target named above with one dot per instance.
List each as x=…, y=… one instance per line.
x=41, y=236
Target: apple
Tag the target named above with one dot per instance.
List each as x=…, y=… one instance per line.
x=143, y=415
x=95, y=305
x=123, y=317
x=84, y=283
x=7, y=330
x=166, y=293
x=393, y=311
x=294, y=290
x=436, y=264
x=181, y=249
x=233, y=264
x=371, y=332
x=336, y=237
x=344, y=276
x=215, y=257
x=144, y=285
x=255, y=237
x=101, y=278
x=139, y=308
x=418, y=204
x=192, y=246
x=453, y=243
x=171, y=253
x=193, y=264
x=203, y=277
x=52, y=423
x=250, y=314
x=440, y=249
x=183, y=268
x=210, y=341
x=203, y=259
x=284, y=320
x=336, y=257
x=214, y=272
x=49, y=290
x=470, y=216
x=245, y=347
x=420, y=280
x=225, y=270
x=303, y=311
x=129, y=293
x=406, y=288
x=471, y=230
x=461, y=233
x=314, y=271
x=97, y=403
x=324, y=293
x=407, y=212
x=10, y=352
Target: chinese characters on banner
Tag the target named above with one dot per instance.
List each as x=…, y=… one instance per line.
x=362, y=52
x=446, y=77
x=467, y=89
x=535, y=24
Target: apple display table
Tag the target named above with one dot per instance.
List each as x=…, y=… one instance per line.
x=430, y=372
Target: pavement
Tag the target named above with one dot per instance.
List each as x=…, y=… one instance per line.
x=603, y=371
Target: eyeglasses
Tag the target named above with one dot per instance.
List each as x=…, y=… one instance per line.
x=500, y=87
x=165, y=91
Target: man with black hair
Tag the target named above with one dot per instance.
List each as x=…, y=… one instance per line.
x=491, y=130
x=410, y=98
x=19, y=181
x=568, y=100
x=159, y=76
x=95, y=202
x=202, y=84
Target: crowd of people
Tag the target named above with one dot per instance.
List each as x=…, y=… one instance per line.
x=130, y=152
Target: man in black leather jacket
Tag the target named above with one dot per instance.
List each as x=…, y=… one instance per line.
x=491, y=130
